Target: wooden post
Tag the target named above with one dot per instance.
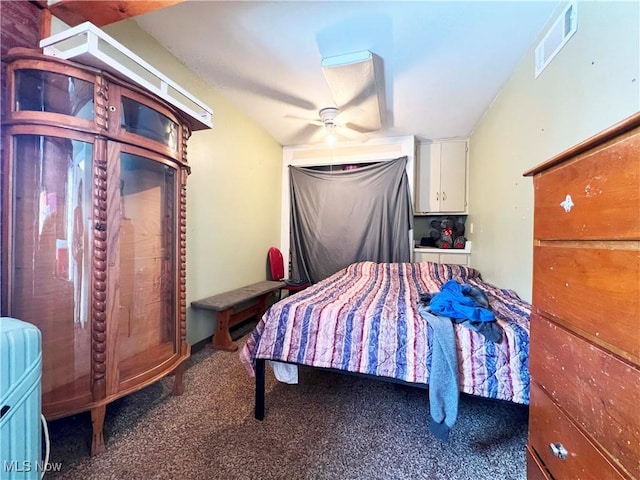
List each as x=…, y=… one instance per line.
x=259, y=403
x=97, y=424
x=222, y=338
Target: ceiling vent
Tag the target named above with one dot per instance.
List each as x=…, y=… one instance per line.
x=559, y=34
x=355, y=80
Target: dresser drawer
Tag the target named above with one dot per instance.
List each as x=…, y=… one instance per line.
x=535, y=470
x=600, y=391
x=595, y=196
x=549, y=426
x=592, y=290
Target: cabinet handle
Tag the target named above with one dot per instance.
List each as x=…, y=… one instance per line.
x=558, y=450
x=444, y=195
x=112, y=108
x=437, y=196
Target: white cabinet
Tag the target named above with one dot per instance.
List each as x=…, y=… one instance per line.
x=442, y=177
x=439, y=257
x=451, y=256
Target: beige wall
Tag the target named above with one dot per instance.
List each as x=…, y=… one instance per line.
x=592, y=83
x=233, y=192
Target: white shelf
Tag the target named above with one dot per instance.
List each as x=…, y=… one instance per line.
x=89, y=45
x=465, y=250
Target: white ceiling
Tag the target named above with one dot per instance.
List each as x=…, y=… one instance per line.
x=444, y=62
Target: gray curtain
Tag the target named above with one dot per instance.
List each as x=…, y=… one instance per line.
x=347, y=216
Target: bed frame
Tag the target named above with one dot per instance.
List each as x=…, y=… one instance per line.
x=260, y=370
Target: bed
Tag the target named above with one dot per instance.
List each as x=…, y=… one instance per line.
x=365, y=319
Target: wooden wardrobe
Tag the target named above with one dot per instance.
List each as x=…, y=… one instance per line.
x=94, y=231
x=585, y=325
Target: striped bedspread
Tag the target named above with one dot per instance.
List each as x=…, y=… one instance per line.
x=364, y=319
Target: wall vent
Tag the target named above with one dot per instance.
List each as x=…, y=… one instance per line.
x=559, y=34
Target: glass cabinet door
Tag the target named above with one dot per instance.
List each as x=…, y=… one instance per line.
x=147, y=255
x=49, y=263
x=42, y=91
x=137, y=120
x=140, y=119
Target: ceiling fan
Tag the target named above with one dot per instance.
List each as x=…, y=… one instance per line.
x=355, y=81
x=333, y=128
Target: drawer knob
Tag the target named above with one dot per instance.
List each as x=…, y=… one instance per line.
x=558, y=450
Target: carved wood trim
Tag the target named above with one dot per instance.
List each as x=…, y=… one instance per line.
x=182, y=267
x=99, y=273
x=186, y=134
x=185, y=170
x=101, y=99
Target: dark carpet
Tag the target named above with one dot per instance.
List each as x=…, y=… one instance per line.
x=330, y=426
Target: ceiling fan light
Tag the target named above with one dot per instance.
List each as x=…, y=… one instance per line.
x=330, y=130
x=331, y=139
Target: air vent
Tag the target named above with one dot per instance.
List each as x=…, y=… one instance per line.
x=559, y=34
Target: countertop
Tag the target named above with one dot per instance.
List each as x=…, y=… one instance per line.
x=465, y=250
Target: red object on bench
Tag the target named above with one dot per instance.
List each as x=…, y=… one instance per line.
x=276, y=269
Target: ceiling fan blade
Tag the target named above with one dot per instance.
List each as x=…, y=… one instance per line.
x=349, y=133
x=360, y=96
x=353, y=83
x=357, y=128
x=303, y=134
x=238, y=82
x=319, y=136
x=356, y=119
x=312, y=121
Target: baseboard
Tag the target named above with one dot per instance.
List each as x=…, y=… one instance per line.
x=196, y=347
x=237, y=331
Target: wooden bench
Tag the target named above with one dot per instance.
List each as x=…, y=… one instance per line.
x=225, y=303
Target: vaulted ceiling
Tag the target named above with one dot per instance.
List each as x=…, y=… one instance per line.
x=443, y=62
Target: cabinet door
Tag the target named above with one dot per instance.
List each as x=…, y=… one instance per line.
x=454, y=258
x=442, y=177
x=428, y=178
x=426, y=257
x=438, y=257
x=46, y=257
x=140, y=121
x=142, y=262
x=63, y=96
x=453, y=177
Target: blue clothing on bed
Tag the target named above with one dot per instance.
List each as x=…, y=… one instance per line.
x=463, y=304
x=460, y=302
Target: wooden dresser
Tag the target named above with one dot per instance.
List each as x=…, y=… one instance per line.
x=585, y=325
